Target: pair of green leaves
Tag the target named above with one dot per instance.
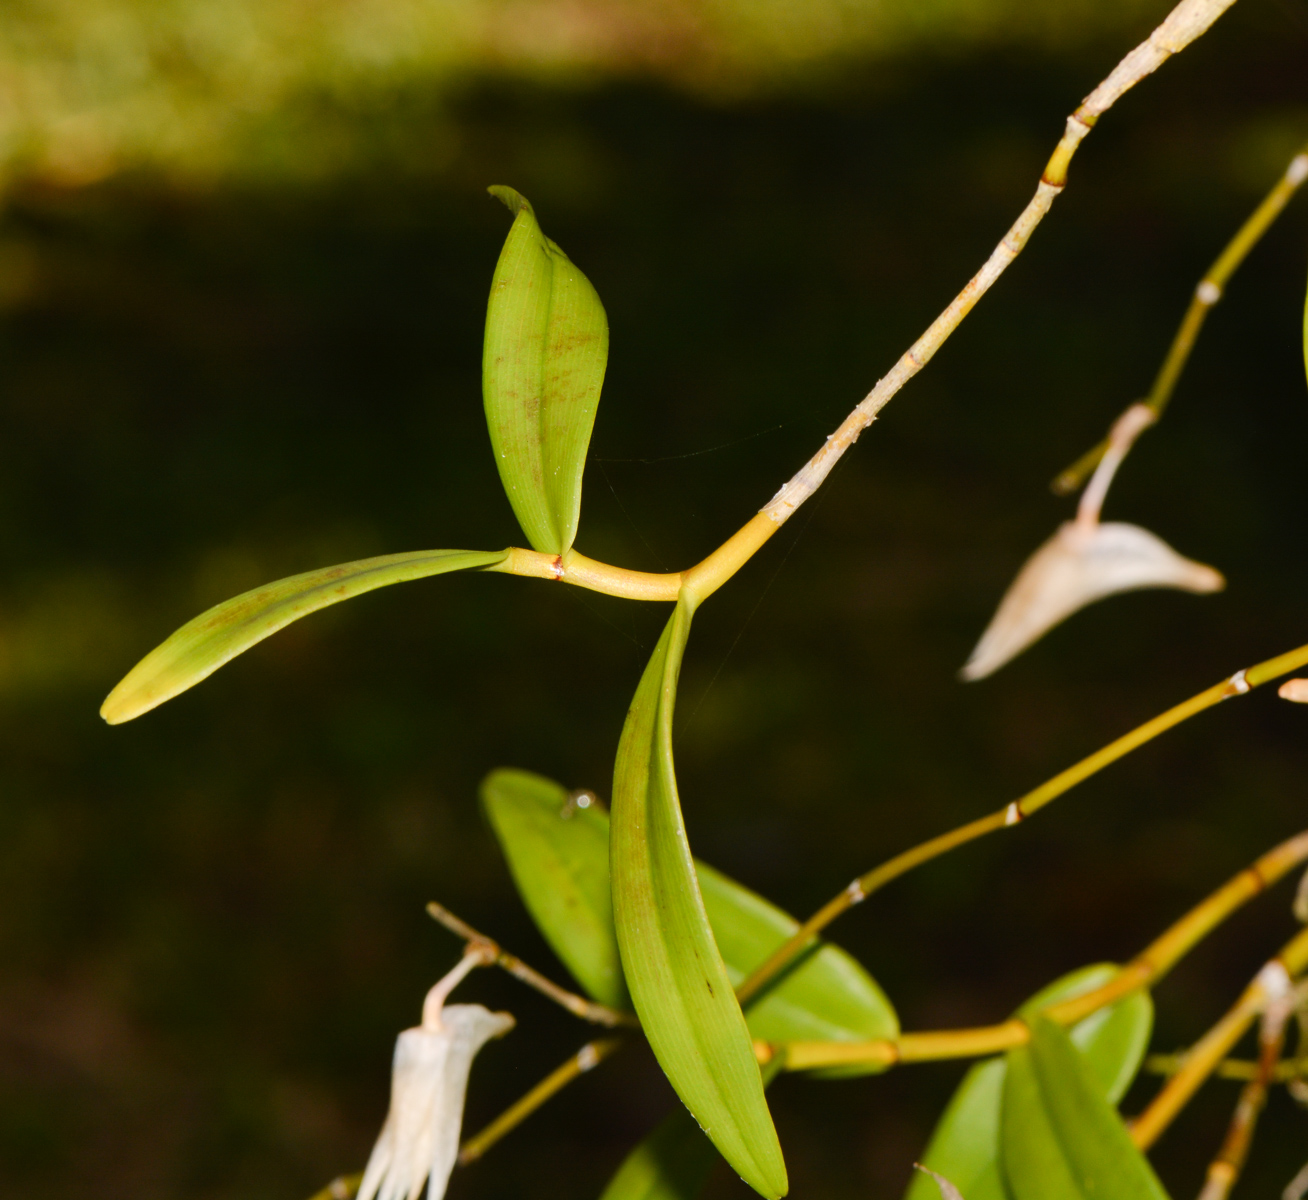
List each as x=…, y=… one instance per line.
x=1039, y=1124
x=558, y=854
x=545, y=352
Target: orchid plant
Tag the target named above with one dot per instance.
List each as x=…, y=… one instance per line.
x=727, y=989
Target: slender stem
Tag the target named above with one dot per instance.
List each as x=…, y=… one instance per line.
x=1206, y=294
x=1149, y=966
x=1012, y=814
x=1187, y=21
x=1225, y=1169
x=1272, y=982
x=590, y=1055
x=579, y=1006
x=1240, y=1069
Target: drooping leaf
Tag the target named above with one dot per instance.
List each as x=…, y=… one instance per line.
x=1076, y=567
x=674, y=971
x=558, y=855
x=673, y=1163
x=965, y=1144
x=1060, y=1138
x=547, y=344
x=218, y=635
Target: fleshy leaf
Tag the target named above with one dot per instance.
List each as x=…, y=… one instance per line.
x=1060, y=1138
x=547, y=344
x=218, y=635
x=673, y=1163
x=677, y=979
x=558, y=854
x=828, y=996
x=1077, y=566
x=965, y=1144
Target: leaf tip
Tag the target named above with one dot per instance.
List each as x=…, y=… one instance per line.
x=513, y=200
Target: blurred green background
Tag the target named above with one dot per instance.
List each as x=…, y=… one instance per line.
x=244, y=259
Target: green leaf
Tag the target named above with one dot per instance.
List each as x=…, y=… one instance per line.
x=558, y=855
x=217, y=636
x=547, y=344
x=673, y=1163
x=828, y=996
x=677, y=979
x=1060, y=1138
x=965, y=1144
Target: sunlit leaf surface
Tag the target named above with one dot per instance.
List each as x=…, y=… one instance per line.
x=218, y=635
x=558, y=853
x=965, y=1144
x=677, y=979
x=547, y=344
x=1060, y=1138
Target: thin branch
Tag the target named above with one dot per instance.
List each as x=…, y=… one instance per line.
x=1187, y=21
x=589, y=1056
x=579, y=1006
x=1239, y=1069
x=1206, y=294
x=1268, y=986
x=1225, y=1169
x=1012, y=814
x=1149, y=966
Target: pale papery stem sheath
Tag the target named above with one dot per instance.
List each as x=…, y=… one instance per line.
x=1206, y=294
x=1268, y=986
x=1013, y=813
x=1149, y=966
x=494, y=955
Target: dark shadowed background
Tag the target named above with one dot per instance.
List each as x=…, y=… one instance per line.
x=243, y=271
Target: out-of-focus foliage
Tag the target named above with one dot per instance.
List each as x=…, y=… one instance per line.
x=275, y=87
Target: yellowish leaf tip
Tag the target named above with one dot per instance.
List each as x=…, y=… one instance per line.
x=514, y=201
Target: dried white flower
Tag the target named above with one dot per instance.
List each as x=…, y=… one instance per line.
x=1083, y=562
x=947, y=1190
x=1077, y=566
x=1294, y=689
x=429, y=1079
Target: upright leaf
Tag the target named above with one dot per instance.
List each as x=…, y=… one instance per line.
x=558, y=855
x=547, y=344
x=677, y=978
x=1060, y=1138
x=219, y=634
x=965, y=1145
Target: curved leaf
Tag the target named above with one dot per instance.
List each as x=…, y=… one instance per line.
x=677, y=979
x=965, y=1145
x=218, y=635
x=558, y=855
x=673, y=1163
x=547, y=344
x=1060, y=1138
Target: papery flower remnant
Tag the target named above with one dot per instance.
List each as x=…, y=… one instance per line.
x=1083, y=562
x=429, y=1079
x=947, y=1190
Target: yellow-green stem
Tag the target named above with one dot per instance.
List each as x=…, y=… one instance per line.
x=1214, y=1046
x=1206, y=294
x=1150, y=965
